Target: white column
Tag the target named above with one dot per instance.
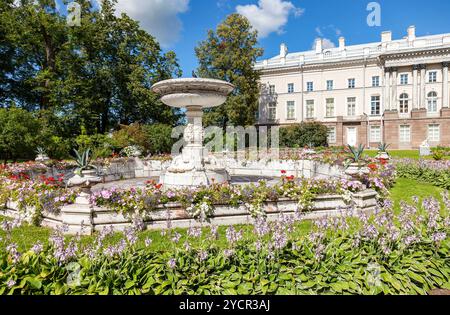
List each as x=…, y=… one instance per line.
x=415, y=101
x=422, y=86
x=387, y=90
x=445, y=84
x=394, y=90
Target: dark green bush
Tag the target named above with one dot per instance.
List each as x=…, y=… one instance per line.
x=160, y=138
x=304, y=134
x=19, y=134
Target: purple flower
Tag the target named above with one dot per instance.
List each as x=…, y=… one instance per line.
x=37, y=248
x=176, y=237
x=203, y=255
x=11, y=283
x=172, y=263
x=439, y=237
x=13, y=252
x=148, y=242
x=232, y=235
x=227, y=253
x=195, y=232
x=130, y=234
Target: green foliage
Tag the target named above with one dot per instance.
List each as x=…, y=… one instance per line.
x=438, y=155
x=229, y=54
x=436, y=173
x=355, y=155
x=83, y=161
x=304, y=134
x=383, y=147
x=132, y=135
x=101, y=145
x=19, y=134
x=160, y=138
x=95, y=75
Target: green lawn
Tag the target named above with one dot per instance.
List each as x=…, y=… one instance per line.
x=404, y=189
x=410, y=154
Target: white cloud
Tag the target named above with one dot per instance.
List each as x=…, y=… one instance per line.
x=269, y=15
x=158, y=17
x=327, y=43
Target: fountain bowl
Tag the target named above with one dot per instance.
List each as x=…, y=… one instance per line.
x=193, y=92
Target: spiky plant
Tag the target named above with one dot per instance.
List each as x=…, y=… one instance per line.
x=383, y=147
x=355, y=155
x=40, y=151
x=83, y=161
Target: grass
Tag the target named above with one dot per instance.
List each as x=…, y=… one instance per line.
x=404, y=189
x=409, y=154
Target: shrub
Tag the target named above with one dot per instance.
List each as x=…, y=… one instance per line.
x=19, y=134
x=304, y=134
x=132, y=135
x=160, y=138
x=101, y=145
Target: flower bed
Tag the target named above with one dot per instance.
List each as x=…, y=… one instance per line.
x=436, y=173
x=355, y=254
x=34, y=197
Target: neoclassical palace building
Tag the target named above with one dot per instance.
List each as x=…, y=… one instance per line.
x=392, y=91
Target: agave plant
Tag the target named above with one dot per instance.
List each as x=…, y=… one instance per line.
x=83, y=161
x=355, y=155
x=383, y=147
x=40, y=151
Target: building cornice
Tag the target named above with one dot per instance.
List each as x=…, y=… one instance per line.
x=319, y=66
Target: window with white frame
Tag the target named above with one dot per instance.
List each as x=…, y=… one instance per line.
x=310, y=109
x=272, y=111
x=351, y=106
x=432, y=102
x=405, y=133
x=330, y=84
x=375, y=81
x=375, y=106
x=331, y=134
x=404, y=103
x=404, y=79
x=271, y=89
x=290, y=110
x=309, y=86
x=375, y=133
x=330, y=107
x=434, y=133
x=291, y=88
x=432, y=76
x=351, y=83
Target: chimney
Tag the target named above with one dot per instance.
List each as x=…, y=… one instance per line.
x=411, y=33
x=386, y=37
x=283, y=50
x=341, y=43
x=318, y=45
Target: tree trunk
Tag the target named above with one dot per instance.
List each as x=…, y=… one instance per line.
x=50, y=64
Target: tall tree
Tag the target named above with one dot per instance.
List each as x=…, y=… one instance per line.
x=96, y=75
x=229, y=54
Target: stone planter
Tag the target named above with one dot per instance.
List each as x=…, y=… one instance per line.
x=356, y=169
x=42, y=158
x=383, y=156
x=87, y=179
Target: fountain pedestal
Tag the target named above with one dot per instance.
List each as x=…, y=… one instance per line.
x=194, y=167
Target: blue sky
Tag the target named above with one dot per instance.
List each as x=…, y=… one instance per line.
x=180, y=24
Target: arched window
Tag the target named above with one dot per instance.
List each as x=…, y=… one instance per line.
x=404, y=103
x=432, y=102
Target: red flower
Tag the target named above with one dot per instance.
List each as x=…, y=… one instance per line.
x=290, y=178
x=383, y=161
x=283, y=172
x=373, y=167
x=158, y=186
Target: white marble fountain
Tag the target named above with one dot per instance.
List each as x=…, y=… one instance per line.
x=194, y=166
